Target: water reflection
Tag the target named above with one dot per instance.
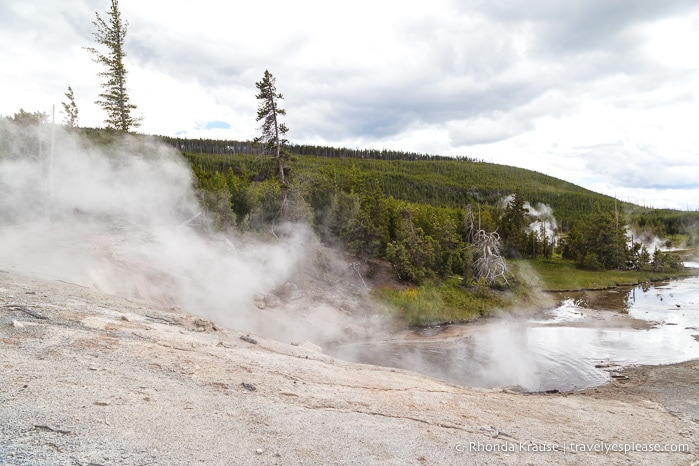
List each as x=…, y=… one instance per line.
x=573, y=346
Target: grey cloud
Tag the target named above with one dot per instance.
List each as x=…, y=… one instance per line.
x=590, y=38
x=451, y=79
x=79, y=17
x=38, y=25
x=430, y=104
x=385, y=104
x=460, y=74
x=638, y=166
x=9, y=19
x=582, y=24
x=486, y=129
x=470, y=74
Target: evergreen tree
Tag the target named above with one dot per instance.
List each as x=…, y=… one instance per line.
x=598, y=243
x=513, y=224
x=412, y=254
x=115, y=99
x=70, y=109
x=27, y=134
x=216, y=200
x=643, y=261
x=25, y=118
x=273, y=131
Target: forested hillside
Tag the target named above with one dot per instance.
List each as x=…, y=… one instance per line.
x=433, y=216
x=442, y=182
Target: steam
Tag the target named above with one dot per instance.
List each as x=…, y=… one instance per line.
x=506, y=357
x=124, y=218
x=544, y=223
x=647, y=239
x=505, y=201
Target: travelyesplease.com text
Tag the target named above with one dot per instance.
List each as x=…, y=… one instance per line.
x=570, y=447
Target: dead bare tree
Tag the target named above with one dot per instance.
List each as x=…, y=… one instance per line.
x=490, y=265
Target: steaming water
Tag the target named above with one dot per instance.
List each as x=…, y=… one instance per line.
x=569, y=347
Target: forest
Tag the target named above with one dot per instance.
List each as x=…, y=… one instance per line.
x=429, y=216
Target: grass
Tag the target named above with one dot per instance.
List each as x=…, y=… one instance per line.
x=448, y=301
x=557, y=274
x=437, y=303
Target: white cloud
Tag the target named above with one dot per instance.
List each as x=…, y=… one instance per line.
x=671, y=42
x=589, y=91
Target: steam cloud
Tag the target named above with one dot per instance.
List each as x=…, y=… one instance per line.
x=544, y=218
x=119, y=218
x=542, y=215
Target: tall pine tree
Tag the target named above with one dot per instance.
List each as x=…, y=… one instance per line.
x=513, y=224
x=115, y=98
x=273, y=130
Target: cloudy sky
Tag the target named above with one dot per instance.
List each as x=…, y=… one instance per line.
x=602, y=93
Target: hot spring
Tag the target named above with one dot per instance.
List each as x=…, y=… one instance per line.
x=580, y=343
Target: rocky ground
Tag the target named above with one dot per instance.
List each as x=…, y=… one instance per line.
x=90, y=378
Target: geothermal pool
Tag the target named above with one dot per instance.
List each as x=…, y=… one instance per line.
x=578, y=344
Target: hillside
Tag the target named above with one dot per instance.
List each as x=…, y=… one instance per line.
x=421, y=178
x=443, y=182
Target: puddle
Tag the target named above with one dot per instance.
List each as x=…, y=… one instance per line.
x=574, y=346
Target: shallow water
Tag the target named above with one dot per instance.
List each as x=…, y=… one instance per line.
x=566, y=348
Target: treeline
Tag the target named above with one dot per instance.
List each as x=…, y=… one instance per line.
x=217, y=146
x=601, y=243
x=665, y=222
x=455, y=184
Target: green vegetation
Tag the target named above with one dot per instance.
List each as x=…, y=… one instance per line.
x=438, y=302
x=455, y=229
x=444, y=183
x=558, y=275
x=448, y=301
x=428, y=218
x=445, y=226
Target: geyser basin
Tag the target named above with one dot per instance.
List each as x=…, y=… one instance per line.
x=573, y=346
